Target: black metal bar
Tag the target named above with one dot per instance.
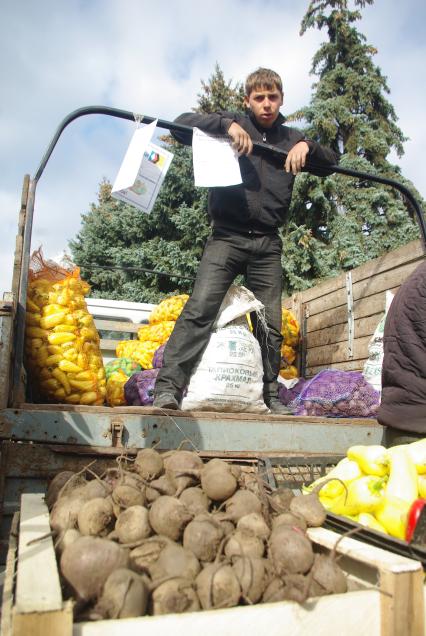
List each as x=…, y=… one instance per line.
x=257, y=147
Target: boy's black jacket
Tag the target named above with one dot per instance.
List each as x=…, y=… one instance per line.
x=261, y=202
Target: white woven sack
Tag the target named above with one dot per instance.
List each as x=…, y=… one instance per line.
x=372, y=370
x=239, y=301
x=229, y=376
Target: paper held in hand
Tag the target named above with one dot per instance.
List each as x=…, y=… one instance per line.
x=215, y=161
x=142, y=171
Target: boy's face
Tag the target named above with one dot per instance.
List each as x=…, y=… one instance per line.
x=265, y=103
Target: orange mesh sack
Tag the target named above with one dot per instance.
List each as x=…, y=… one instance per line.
x=62, y=350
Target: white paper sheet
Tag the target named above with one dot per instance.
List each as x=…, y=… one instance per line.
x=215, y=161
x=142, y=171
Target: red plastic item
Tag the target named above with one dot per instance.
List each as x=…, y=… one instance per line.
x=413, y=516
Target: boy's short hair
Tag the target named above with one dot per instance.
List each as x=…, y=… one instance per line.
x=263, y=78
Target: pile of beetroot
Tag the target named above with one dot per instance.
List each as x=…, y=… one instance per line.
x=170, y=533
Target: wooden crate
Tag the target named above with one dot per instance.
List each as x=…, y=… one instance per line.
x=339, y=316
x=386, y=595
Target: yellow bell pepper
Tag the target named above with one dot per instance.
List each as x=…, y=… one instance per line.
x=36, y=332
x=89, y=334
x=402, y=482
x=371, y=459
x=45, y=373
x=54, y=349
x=70, y=354
x=32, y=319
x=60, y=338
x=62, y=378
x=85, y=375
x=36, y=343
x=86, y=320
x=50, y=385
x=54, y=308
x=74, y=398
x=392, y=515
x=88, y=397
x=417, y=452
x=365, y=494
x=53, y=360
x=50, y=321
x=82, y=360
x=346, y=470
x=69, y=367
x=32, y=307
x=41, y=357
x=60, y=394
x=369, y=521
x=63, y=327
x=82, y=385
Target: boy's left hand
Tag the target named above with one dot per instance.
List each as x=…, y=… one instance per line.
x=296, y=158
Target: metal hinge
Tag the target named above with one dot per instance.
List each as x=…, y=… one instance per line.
x=117, y=429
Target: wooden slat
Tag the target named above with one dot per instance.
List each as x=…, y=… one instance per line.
x=351, y=365
x=413, y=251
x=362, y=289
x=55, y=623
x=339, y=333
x=362, y=308
x=383, y=281
x=337, y=352
x=34, y=593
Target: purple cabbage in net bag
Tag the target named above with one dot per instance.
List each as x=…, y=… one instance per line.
x=157, y=361
x=289, y=395
x=139, y=389
x=333, y=393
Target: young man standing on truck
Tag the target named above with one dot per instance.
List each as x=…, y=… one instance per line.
x=245, y=220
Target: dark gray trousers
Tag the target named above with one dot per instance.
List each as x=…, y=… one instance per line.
x=225, y=256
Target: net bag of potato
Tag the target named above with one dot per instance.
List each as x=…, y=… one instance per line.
x=333, y=393
x=62, y=351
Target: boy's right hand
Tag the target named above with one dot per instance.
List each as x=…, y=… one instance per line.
x=241, y=140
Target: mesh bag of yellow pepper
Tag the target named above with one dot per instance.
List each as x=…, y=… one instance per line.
x=62, y=351
x=115, y=388
x=161, y=324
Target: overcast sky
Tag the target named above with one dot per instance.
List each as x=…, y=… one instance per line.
x=149, y=57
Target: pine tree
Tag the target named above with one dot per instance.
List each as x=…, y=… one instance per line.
x=218, y=94
x=170, y=239
x=338, y=223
